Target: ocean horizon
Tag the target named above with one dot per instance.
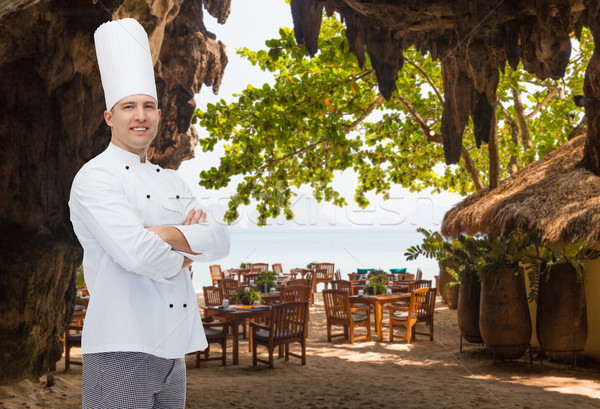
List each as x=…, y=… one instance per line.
x=348, y=248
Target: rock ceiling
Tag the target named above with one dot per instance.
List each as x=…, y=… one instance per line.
x=473, y=39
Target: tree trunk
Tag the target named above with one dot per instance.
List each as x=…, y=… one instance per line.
x=51, y=124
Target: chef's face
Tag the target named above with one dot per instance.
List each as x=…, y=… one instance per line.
x=134, y=123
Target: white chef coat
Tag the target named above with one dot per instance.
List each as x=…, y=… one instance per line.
x=140, y=298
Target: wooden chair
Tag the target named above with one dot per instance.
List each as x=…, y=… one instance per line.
x=277, y=269
x=212, y=296
x=216, y=332
x=72, y=339
x=343, y=285
x=324, y=273
x=337, y=275
x=215, y=274
x=259, y=267
x=287, y=324
x=229, y=287
x=299, y=281
x=407, y=316
x=419, y=275
x=291, y=293
x=294, y=273
x=249, y=277
x=415, y=284
x=425, y=313
x=339, y=312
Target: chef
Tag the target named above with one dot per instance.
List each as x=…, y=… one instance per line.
x=140, y=227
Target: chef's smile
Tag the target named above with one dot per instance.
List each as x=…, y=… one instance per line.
x=134, y=123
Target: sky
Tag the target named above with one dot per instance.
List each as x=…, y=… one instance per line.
x=250, y=24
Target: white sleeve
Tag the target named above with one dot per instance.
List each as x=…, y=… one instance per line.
x=98, y=201
x=211, y=239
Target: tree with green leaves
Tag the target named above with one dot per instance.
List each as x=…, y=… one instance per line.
x=316, y=119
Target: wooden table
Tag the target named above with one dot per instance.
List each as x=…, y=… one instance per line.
x=239, y=272
x=269, y=298
x=377, y=301
x=236, y=316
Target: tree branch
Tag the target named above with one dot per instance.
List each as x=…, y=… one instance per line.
x=434, y=137
x=522, y=119
x=552, y=92
x=514, y=134
x=365, y=114
x=427, y=78
x=578, y=129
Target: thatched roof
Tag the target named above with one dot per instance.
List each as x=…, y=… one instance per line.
x=554, y=195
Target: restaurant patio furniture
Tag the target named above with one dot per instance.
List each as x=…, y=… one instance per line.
x=377, y=302
x=216, y=332
x=236, y=315
x=229, y=287
x=259, y=267
x=292, y=293
x=406, y=316
x=425, y=313
x=215, y=274
x=324, y=273
x=339, y=312
x=287, y=324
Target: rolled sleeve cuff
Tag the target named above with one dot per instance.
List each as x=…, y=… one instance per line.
x=211, y=240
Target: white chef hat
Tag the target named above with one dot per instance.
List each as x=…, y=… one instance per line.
x=124, y=60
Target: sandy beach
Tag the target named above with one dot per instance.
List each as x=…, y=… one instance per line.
x=424, y=374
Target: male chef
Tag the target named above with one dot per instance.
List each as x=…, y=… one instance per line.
x=140, y=228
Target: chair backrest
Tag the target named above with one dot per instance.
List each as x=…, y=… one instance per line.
x=425, y=310
x=259, y=267
x=215, y=273
x=292, y=293
x=212, y=296
x=343, y=285
x=338, y=274
x=289, y=321
x=418, y=299
x=419, y=275
x=277, y=269
x=305, y=282
x=413, y=285
x=229, y=286
x=249, y=277
x=337, y=305
x=326, y=269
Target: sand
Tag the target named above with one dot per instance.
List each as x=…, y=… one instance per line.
x=424, y=374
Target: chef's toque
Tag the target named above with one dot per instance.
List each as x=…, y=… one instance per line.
x=124, y=60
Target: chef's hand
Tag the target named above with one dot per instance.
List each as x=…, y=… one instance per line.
x=195, y=216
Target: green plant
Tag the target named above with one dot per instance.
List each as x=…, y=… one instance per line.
x=245, y=265
x=79, y=278
x=431, y=247
x=503, y=251
x=462, y=256
x=378, y=281
x=266, y=278
x=538, y=260
x=245, y=297
x=312, y=264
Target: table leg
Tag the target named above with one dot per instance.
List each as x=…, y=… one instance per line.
x=379, y=320
x=235, y=333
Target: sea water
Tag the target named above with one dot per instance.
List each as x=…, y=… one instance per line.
x=348, y=249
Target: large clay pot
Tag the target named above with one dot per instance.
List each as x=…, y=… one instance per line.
x=452, y=296
x=561, y=314
x=469, y=295
x=445, y=277
x=504, y=318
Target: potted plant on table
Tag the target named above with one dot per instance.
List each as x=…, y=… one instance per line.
x=557, y=285
x=245, y=296
x=312, y=264
x=265, y=281
x=378, y=280
x=245, y=265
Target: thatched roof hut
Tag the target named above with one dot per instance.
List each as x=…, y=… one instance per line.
x=555, y=195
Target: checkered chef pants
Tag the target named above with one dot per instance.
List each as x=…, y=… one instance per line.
x=132, y=380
